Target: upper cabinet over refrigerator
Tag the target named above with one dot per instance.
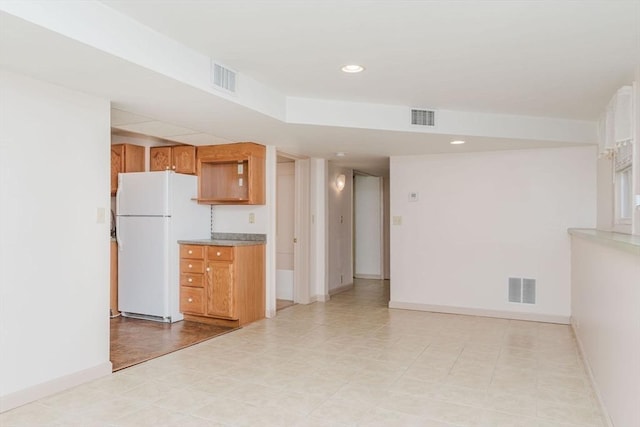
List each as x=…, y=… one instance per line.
x=231, y=174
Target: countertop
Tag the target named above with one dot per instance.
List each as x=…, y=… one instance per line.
x=221, y=242
x=626, y=242
x=228, y=239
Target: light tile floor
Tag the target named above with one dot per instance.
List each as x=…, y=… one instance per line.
x=350, y=361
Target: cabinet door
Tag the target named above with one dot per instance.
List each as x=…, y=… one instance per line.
x=160, y=158
x=117, y=166
x=220, y=290
x=184, y=159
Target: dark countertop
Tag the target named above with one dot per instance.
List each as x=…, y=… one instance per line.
x=229, y=239
x=221, y=242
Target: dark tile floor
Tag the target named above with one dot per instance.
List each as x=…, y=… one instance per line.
x=134, y=341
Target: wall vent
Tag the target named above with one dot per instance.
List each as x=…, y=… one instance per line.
x=423, y=117
x=223, y=78
x=522, y=290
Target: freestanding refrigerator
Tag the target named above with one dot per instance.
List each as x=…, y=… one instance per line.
x=153, y=211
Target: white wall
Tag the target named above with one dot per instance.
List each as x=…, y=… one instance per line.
x=482, y=218
x=386, y=228
x=606, y=319
x=54, y=250
x=367, y=211
x=340, y=225
x=318, y=236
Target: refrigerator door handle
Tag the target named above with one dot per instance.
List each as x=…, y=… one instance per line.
x=118, y=238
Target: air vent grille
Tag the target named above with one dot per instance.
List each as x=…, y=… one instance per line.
x=522, y=290
x=423, y=117
x=223, y=77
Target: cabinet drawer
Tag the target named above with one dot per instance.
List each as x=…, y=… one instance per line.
x=192, y=300
x=196, y=280
x=191, y=266
x=221, y=253
x=192, y=251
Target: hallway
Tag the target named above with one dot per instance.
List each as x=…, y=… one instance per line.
x=350, y=361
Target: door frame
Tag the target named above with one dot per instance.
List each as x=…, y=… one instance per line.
x=301, y=291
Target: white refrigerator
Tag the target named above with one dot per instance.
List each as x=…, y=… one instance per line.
x=153, y=211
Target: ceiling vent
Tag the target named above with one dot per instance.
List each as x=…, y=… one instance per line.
x=423, y=117
x=223, y=78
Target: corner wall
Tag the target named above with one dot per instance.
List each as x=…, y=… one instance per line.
x=606, y=321
x=54, y=249
x=481, y=218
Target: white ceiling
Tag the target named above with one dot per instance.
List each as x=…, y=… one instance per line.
x=554, y=59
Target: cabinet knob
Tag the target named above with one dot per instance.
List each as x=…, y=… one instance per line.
x=208, y=268
x=190, y=251
x=218, y=253
x=190, y=300
x=190, y=266
x=190, y=280
x=173, y=167
x=166, y=167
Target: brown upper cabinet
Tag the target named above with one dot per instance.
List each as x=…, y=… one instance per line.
x=231, y=174
x=180, y=158
x=125, y=158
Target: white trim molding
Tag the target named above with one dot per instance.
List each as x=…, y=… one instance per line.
x=39, y=391
x=513, y=315
x=341, y=289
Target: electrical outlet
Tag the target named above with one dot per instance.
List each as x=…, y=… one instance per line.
x=252, y=218
x=397, y=220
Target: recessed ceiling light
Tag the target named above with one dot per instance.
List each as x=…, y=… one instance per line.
x=457, y=142
x=353, y=68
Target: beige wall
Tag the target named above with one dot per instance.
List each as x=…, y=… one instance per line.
x=340, y=228
x=481, y=218
x=54, y=249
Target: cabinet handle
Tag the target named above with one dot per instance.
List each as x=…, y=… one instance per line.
x=190, y=251
x=190, y=300
x=190, y=280
x=218, y=253
x=190, y=266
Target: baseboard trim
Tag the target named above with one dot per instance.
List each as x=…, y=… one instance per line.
x=513, y=315
x=269, y=313
x=341, y=289
x=369, y=276
x=39, y=391
x=587, y=366
x=320, y=298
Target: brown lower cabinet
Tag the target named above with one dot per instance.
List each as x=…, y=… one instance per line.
x=222, y=285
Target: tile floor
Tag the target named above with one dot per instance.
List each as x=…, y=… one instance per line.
x=347, y=362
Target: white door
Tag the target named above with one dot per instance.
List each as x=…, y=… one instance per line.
x=143, y=265
x=368, y=227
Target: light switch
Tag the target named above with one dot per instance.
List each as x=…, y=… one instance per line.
x=413, y=196
x=252, y=218
x=397, y=220
x=240, y=168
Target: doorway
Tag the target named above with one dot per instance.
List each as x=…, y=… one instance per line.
x=285, y=232
x=368, y=211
